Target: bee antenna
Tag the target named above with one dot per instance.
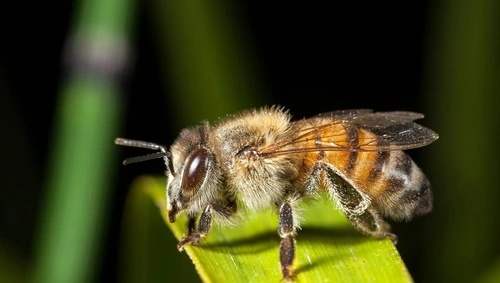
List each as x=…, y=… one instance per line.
x=164, y=153
x=142, y=158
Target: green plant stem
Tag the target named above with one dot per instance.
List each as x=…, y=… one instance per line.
x=78, y=176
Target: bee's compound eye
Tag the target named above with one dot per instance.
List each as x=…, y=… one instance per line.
x=195, y=170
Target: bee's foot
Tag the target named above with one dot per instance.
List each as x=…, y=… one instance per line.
x=393, y=237
x=287, y=275
x=194, y=240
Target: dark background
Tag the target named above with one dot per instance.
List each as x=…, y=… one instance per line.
x=307, y=57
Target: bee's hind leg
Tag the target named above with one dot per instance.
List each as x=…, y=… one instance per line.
x=370, y=223
x=357, y=207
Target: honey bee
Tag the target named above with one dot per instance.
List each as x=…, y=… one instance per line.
x=260, y=159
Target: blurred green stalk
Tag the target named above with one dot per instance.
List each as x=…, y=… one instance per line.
x=78, y=176
x=464, y=70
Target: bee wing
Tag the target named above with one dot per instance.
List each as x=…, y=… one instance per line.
x=370, y=118
x=344, y=114
x=393, y=131
x=330, y=132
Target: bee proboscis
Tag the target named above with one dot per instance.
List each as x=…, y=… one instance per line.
x=261, y=159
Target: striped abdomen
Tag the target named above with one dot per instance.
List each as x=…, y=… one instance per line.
x=397, y=187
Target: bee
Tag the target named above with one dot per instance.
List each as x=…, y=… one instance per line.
x=261, y=159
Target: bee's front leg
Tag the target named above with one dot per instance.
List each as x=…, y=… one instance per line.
x=196, y=234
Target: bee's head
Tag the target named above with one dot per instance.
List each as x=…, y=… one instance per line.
x=192, y=178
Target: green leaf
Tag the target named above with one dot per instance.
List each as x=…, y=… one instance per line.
x=328, y=248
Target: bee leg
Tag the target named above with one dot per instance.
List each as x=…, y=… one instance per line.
x=311, y=185
x=287, y=234
x=191, y=225
x=197, y=233
x=370, y=223
x=357, y=207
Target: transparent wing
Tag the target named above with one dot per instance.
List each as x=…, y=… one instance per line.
x=386, y=131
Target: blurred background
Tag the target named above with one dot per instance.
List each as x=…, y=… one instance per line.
x=76, y=74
